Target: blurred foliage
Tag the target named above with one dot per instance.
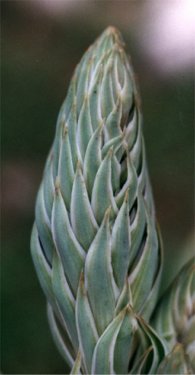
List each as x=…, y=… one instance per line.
x=39, y=55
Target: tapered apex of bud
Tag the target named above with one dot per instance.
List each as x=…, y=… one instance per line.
x=113, y=34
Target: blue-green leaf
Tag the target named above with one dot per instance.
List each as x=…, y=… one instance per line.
x=121, y=244
x=102, y=194
x=41, y=265
x=98, y=273
x=43, y=225
x=84, y=129
x=143, y=275
x=92, y=159
x=103, y=357
x=65, y=168
x=61, y=340
x=82, y=217
x=72, y=254
x=64, y=298
x=85, y=324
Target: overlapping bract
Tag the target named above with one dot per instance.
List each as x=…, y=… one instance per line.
x=94, y=244
x=175, y=322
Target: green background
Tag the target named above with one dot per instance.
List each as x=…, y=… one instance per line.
x=39, y=54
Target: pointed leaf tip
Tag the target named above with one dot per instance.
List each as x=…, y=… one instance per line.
x=57, y=185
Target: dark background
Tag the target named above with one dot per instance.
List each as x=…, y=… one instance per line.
x=40, y=47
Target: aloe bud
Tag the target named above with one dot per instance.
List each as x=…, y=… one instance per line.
x=95, y=244
x=175, y=322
